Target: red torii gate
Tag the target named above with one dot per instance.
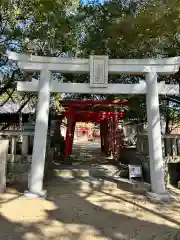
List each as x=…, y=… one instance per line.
x=82, y=111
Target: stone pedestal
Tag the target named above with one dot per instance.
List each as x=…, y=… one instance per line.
x=29, y=194
x=159, y=197
x=4, y=144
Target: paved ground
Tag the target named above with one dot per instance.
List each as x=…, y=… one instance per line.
x=73, y=214
x=89, y=153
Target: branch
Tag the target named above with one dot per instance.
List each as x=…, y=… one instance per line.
x=8, y=83
x=9, y=96
x=3, y=27
x=4, y=89
x=174, y=128
x=172, y=99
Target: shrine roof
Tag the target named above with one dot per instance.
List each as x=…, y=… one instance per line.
x=11, y=107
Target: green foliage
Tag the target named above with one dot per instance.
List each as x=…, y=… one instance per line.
x=38, y=27
x=41, y=27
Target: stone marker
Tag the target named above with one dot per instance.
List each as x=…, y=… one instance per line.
x=4, y=144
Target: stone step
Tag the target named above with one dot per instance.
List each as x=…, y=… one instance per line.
x=71, y=172
x=96, y=171
x=83, y=183
x=105, y=171
x=100, y=183
x=132, y=185
x=98, y=177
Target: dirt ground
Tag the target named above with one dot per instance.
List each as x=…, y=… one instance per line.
x=73, y=214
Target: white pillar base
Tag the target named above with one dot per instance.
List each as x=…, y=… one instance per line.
x=42, y=194
x=158, y=197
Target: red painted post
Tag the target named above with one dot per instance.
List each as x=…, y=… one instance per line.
x=119, y=142
x=102, y=135
x=67, y=151
x=107, y=136
x=72, y=132
x=113, y=134
x=115, y=126
x=104, y=125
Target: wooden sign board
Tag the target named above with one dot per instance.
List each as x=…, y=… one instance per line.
x=99, y=71
x=135, y=171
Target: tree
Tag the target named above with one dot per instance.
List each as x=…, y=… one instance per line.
x=162, y=25
x=127, y=30
x=38, y=27
x=120, y=29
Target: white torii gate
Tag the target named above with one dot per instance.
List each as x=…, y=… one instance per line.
x=99, y=67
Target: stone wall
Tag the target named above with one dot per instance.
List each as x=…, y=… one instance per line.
x=171, y=155
x=18, y=170
x=16, y=165
x=3, y=163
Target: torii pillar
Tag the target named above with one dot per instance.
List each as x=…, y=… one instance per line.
x=40, y=138
x=158, y=192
